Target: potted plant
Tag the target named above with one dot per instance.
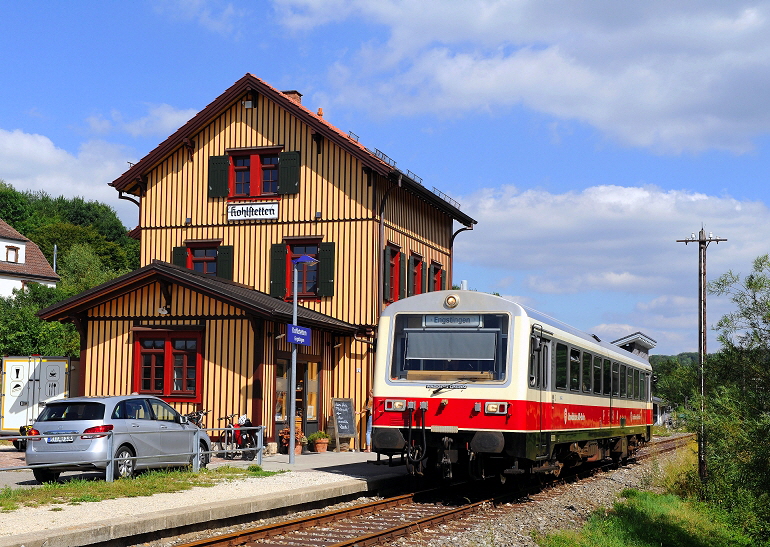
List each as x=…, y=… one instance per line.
x=319, y=441
x=285, y=434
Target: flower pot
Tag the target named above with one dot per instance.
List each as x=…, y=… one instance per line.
x=321, y=445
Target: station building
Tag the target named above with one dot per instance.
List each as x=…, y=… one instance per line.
x=226, y=204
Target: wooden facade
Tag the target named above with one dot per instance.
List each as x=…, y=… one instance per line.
x=318, y=191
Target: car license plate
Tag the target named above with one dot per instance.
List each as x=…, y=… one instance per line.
x=66, y=439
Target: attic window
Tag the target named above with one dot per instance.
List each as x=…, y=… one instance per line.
x=11, y=254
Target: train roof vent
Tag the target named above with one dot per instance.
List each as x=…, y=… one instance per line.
x=638, y=343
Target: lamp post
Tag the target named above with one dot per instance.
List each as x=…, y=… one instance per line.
x=302, y=260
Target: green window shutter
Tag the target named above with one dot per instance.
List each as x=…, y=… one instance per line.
x=410, y=276
x=326, y=269
x=430, y=271
x=386, y=273
x=288, y=172
x=179, y=256
x=442, y=273
x=402, y=277
x=219, y=169
x=278, y=270
x=225, y=261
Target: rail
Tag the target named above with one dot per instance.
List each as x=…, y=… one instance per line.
x=110, y=459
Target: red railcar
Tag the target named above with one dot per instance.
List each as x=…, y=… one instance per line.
x=474, y=382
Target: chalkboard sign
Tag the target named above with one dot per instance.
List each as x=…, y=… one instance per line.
x=344, y=417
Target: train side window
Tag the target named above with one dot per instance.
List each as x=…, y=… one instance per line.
x=643, y=387
x=598, y=375
x=560, y=360
x=615, y=378
x=636, y=384
x=630, y=383
x=534, y=359
x=587, y=372
x=574, y=370
x=607, y=376
x=622, y=380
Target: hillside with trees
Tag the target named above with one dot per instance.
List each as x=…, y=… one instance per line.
x=92, y=248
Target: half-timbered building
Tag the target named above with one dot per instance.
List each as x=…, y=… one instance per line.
x=226, y=204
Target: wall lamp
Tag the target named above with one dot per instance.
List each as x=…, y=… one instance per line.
x=280, y=336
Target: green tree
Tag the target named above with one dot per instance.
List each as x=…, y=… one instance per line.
x=737, y=417
x=22, y=333
x=82, y=269
x=14, y=207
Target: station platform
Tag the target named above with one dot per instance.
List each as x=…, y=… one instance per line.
x=313, y=480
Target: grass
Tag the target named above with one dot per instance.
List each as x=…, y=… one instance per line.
x=77, y=491
x=667, y=516
x=647, y=519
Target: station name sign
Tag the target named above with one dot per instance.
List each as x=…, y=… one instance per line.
x=451, y=321
x=253, y=211
x=299, y=335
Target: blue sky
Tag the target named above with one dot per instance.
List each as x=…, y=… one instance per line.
x=584, y=137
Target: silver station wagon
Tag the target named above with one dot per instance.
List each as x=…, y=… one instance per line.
x=146, y=433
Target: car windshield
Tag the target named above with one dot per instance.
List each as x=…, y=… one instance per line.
x=66, y=412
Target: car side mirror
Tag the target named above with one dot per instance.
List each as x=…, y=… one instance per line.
x=182, y=419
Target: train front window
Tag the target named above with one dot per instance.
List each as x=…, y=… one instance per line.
x=450, y=346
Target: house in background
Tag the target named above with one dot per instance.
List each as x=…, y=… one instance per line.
x=226, y=204
x=21, y=262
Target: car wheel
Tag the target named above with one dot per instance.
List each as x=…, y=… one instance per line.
x=45, y=475
x=124, y=464
x=204, y=456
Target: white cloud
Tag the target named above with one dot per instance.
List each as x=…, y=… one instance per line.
x=671, y=77
x=213, y=15
x=612, y=251
x=32, y=162
x=162, y=119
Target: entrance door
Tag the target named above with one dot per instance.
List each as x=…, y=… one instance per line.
x=307, y=392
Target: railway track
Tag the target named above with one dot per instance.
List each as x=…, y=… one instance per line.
x=387, y=520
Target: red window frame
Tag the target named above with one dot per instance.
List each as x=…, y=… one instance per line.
x=163, y=359
x=261, y=172
x=204, y=254
x=417, y=266
x=307, y=273
x=394, y=273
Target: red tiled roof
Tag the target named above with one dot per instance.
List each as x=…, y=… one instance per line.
x=35, y=266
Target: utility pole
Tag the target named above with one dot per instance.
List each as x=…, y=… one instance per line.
x=703, y=243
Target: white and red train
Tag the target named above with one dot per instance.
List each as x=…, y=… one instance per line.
x=465, y=380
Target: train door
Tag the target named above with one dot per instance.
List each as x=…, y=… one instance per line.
x=540, y=357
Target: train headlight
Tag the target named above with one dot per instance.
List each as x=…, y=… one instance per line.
x=395, y=405
x=496, y=408
x=451, y=301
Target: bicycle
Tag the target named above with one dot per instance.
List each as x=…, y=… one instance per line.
x=196, y=417
x=237, y=437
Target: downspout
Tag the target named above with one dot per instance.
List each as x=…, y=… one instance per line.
x=381, y=281
x=452, y=254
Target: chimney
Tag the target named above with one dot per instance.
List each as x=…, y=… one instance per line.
x=294, y=95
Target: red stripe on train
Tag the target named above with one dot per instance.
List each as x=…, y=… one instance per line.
x=520, y=415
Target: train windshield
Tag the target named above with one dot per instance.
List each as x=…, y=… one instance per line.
x=450, y=346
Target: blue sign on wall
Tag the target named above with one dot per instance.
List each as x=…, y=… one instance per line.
x=299, y=335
